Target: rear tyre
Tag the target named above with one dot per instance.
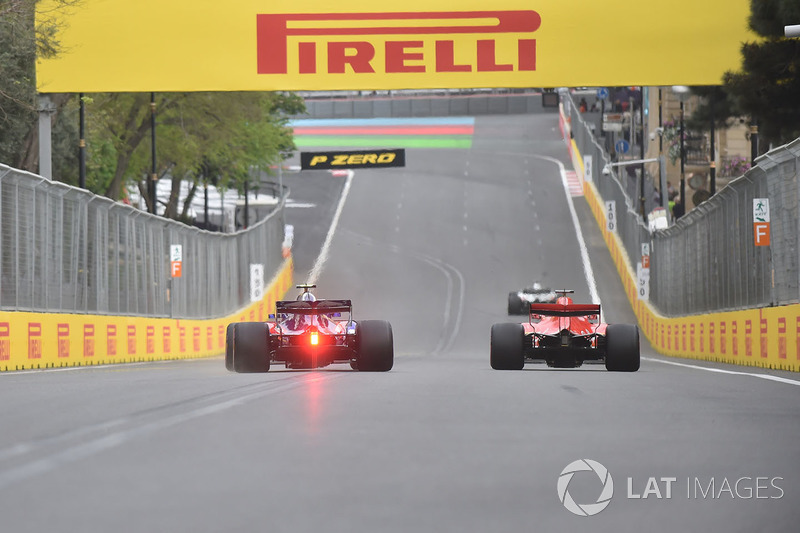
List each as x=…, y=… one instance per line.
x=622, y=348
x=229, y=347
x=514, y=304
x=506, y=347
x=375, y=346
x=250, y=347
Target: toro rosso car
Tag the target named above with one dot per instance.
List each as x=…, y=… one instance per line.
x=564, y=335
x=310, y=333
x=518, y=302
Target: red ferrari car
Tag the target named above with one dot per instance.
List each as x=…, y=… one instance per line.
x=310, y=333
x=564, y=335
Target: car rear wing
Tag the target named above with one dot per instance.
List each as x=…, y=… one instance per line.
x=319, y=307
x=565, y=309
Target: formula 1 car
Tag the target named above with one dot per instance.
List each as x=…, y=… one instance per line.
x=518, y=302
x=565, y=335
x=310, y=333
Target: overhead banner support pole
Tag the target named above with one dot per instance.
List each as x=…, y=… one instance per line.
x=46, y=111
x=151, y=183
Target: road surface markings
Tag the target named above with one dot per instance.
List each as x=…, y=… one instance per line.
x=721, y=371
x=455, y=290
x=587, y=265
x=319, y=264
x=575, y=188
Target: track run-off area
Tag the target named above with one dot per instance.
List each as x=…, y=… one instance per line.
x=442, y=442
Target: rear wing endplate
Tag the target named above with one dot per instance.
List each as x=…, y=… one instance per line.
x=564, y=310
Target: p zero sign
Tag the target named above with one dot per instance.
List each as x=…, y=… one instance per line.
x=352, y=159
x=207, y=45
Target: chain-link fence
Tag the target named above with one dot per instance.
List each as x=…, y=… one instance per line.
x=63, y=249
x=708, y=260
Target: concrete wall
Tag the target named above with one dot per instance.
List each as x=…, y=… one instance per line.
x=426, y=106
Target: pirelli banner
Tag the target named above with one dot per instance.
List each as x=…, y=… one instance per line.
x=208, y=45
x=352, y=159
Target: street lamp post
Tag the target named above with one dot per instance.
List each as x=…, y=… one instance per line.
x=712, y=170
x=683, y=93
x=280, y=181
x=151, y=185
x=753, y=140
x=683, y=162
x=246, y=203
x=641, y=154
x=662, y=183
x=82, y=142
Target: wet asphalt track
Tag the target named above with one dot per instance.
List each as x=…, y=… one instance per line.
x=441, y=443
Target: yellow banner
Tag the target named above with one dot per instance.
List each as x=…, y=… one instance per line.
x=208, y=45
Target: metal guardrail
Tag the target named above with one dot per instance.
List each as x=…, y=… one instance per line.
x=708, y=260
x=63, y=249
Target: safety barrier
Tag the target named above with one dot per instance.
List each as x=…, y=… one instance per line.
x=53, y=340
x=84, y=280
x=760, y=336
x=65, y=250
x=709, y=261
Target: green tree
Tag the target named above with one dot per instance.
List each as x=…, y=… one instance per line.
x=768, y=85
x=716, y=104
x=21, y=40
x=201, y=137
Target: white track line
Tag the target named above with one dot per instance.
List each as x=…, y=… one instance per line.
x=721, y=371
x=445, y=343
x=587, y=265
x=319, y=264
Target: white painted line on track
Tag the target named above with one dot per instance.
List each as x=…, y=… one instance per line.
x=319, y=264
x=445, y=342
x=587, y=265
x=721, y=371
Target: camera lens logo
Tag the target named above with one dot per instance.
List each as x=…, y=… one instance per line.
x=586, y=509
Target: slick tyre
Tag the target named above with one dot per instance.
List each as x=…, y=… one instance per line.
x=374, y=346
x=514, y=304
x=229, y=347
x=622, y=348
x=506, y=347
x=250, y=347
